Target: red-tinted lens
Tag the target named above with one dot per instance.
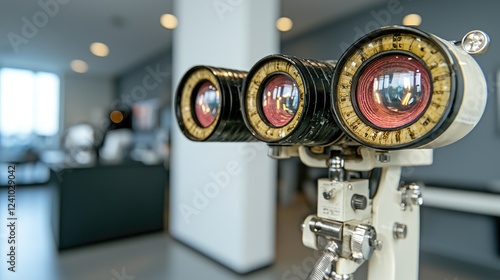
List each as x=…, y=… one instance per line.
x=280, y=100
x=393, y=91
x=207, y=104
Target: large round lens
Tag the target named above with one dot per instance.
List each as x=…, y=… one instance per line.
x=207, y=103
x=393, y=91
x=280, y=100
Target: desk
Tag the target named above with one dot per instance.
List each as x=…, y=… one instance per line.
x=103, y=202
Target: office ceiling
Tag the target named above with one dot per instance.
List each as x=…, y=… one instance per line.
x=49, y=38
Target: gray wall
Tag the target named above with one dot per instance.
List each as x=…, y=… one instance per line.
x=86, y=99
x=151, y=79
x=474, y=161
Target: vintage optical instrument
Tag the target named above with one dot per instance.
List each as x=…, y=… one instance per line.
x=391, y=98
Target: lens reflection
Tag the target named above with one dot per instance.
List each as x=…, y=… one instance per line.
x=207, y=104
x=393, y=91
x=280, y=100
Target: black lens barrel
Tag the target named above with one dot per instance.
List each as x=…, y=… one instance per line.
x=229, y=125
x=316, y=125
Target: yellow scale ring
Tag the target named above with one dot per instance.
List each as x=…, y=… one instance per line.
x=193, y=128
x=440, y=76
x=253, y=100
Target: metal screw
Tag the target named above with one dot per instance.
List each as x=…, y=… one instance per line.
x=275, y=152
x=327, y=195
x=384, y=157
x=411, y=194
x=378, y=244
x=399, y=231
x=416, y=197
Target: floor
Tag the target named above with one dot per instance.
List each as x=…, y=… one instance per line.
x=156, y=256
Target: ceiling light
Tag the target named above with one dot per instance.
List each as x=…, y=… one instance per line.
x=412, y=20
x=79, y=66
x=169, y=21
x=99, y=49
x=284, y=24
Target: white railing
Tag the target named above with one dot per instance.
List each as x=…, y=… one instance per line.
x=460, y=200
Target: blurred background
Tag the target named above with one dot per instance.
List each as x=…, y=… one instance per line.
x=86, y=117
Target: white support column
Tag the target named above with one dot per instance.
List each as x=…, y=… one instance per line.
x=398, y=258
x=223, y=195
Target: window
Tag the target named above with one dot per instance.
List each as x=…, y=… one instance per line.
x=29, y=103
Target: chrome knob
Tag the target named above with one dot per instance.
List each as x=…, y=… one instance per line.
x=359, y=202
x=411, y=194
x=327, y=195
x=475, y=42
x=363, y=241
